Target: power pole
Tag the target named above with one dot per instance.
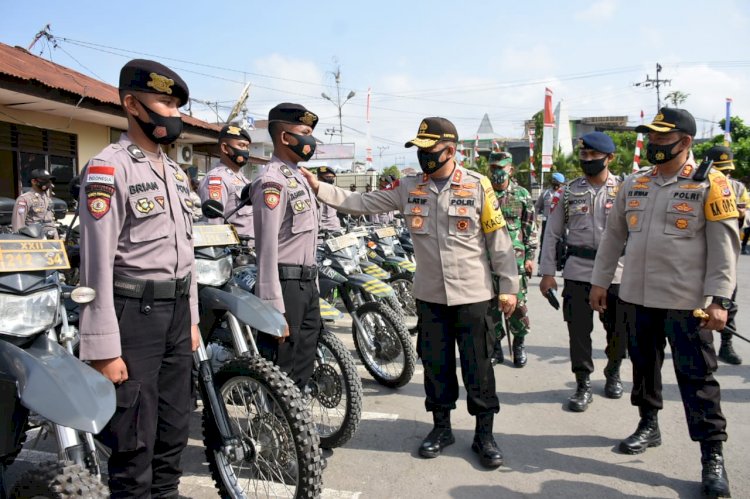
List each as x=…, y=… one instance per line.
x=45, y=32
x=338, y=104
x=655, y=83
x=380, y=154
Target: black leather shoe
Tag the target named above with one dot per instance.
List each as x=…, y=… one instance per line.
x=646, y=435
x=714, y=480
x=489, y=453
x=580, y=400
x=727, y=353
x=519, y=351
x=613, y=386
x=435, y=442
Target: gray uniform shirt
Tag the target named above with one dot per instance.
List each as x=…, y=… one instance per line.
x=329, y=220
x=33, y=207
x=133, y=223
x=286, y=225
x=588, y=209
x=225, y=185
x=543, y=204
x=459, y=234
x=682, y=239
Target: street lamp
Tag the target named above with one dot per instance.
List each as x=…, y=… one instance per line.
x=338, y=102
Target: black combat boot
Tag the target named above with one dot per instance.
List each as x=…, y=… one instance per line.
x=440, y=437
x=646, y=435
x=484, y=443
x=497, y=353
x=613, y=385
x=580, y=400
x=726, y=350
x=714, y=481
x=519, y=351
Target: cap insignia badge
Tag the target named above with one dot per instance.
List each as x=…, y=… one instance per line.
x=161, y=83
x=307, y=119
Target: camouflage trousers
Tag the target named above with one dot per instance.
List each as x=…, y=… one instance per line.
x=518, y=322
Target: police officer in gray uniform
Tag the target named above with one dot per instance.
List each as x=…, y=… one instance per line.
x=286, y=232
x=580, y=215
x=329, y=219
x=137, y=253
x=680, y=225
x=225, y=182
x=723, y=159
x=460, y=240
x=35, y=206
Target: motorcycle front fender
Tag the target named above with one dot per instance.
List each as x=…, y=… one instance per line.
x=248, y=308
x=58, y=386
x=401, y=263
x=371, y=285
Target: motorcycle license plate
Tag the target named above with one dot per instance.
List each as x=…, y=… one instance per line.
x=341, y=242
x=385, y=232
x=214, y=235
x=24, y=255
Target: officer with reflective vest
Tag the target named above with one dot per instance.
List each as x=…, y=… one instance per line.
x=680, y=225
x=460, y=241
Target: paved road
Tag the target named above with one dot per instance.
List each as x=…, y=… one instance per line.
x=549, y=451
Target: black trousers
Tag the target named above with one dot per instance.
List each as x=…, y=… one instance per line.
x=296, y=355
x=580, y=318
x=541, y=242
x=472, y=328
x=694, y=360
x=149, y=429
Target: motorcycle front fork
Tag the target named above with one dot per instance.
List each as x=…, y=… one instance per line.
x=232, y=447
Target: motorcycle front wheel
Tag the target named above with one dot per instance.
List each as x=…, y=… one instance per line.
x=59, y=480
x=384, y=345
x=336, y=390
x=266, y=412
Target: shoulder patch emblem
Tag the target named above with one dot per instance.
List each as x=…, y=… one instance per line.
x=271, y=197
x=98, y=199
x=271, y=185
x=100, y=175
x=417, y=222
x=457, y=175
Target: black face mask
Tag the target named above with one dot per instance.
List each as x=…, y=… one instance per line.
x=161, y=129
x=305, y=147
x=592, y=167
x=658, y=154
x=327, y=180
x=239, y=156
x=430, y=161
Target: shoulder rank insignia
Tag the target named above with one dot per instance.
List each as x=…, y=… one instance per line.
x=135, y=151
x=687, y=170
x=286, y=171
x=457, y=175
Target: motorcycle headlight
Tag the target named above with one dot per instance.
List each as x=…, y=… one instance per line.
x=26, y=315
x=214, y=272
x=349, y=267
x=388, y=250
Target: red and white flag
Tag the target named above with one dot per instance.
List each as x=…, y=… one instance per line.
x=549, y=126
x=638, y=148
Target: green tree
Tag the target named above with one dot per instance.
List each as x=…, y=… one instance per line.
x=740, y=133
x=676, y=97
x=392, y=171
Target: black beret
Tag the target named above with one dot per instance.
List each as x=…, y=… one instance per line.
x=297, y=114
x=234, y=132
x=326, y=169
x=143, y=75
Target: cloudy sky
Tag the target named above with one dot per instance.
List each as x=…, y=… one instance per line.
x=454, y=59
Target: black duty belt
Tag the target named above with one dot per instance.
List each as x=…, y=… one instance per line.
x=297, y=272
x=130, y=287
x=581, y=252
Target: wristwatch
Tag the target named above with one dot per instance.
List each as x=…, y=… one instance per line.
x=724, y=303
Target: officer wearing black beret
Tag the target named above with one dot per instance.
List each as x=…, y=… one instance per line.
x=286, y=217
x=137, y=252
x=224, y=182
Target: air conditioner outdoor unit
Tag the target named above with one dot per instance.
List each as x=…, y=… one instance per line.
x=184, y=154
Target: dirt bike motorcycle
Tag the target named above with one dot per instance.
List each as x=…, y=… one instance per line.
x=334, y=393
x=260, y=438
x=43, y=386
x=380, y=336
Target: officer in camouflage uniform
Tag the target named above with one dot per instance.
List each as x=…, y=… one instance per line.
x=723, y=159
x=518, y=211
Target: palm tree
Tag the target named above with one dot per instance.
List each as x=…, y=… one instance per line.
x=676, y=97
